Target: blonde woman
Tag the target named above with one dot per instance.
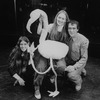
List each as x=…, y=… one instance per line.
x=55, y=31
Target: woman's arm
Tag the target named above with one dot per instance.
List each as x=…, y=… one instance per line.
x=16, y=76
x=44, y=33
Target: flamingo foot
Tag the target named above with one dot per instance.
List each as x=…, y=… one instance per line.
x=53, y=94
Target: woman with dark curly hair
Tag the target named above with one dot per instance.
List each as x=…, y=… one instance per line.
x=19, y=65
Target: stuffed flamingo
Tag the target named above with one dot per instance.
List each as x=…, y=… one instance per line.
x=47, y=48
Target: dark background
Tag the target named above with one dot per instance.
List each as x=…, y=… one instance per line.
x=15, y=13
x=13, y=18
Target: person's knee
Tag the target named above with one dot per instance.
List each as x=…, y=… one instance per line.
x=61, y=62
x=73, y=75
x=60, y=70
x=76, y=78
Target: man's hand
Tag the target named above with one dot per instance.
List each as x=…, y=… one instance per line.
x=70, y=68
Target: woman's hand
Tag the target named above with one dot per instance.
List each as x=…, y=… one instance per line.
x=21, y=82
x=19, y=79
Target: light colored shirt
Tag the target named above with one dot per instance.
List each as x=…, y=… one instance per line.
x=79, y=50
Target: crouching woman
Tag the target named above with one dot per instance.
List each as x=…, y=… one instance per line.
x=19, y=62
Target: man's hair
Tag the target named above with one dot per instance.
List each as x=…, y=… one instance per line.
x=74, y=22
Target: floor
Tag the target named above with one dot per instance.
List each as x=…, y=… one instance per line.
x=90, y=87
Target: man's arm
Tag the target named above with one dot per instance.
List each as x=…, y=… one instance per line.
x=84, y=55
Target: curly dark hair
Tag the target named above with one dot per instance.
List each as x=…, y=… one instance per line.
x=16, y=60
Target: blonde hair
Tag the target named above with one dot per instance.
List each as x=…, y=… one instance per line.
x=61, y=11
x=54, y=32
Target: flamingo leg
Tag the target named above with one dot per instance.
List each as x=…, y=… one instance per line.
x=56, y=92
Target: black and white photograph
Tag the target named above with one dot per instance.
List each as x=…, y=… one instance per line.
x=50, y=50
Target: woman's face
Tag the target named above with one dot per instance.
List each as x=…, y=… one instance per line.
x=23, y=45
x=61, y=19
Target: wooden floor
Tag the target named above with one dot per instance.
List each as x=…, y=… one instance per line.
x=90, y=87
